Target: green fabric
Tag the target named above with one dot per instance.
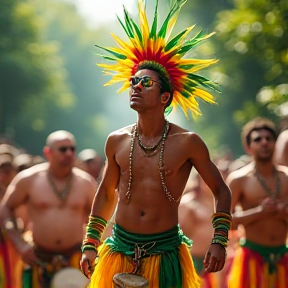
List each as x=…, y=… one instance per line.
x=27, y=278
x=166, y=243
x=198, y=264
x=271, y=255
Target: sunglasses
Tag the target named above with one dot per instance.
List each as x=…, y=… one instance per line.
x=259, y=139
x=145, y=81
x=63, y=149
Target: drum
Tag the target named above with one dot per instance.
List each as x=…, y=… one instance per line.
x=127, y=280
x=69, y=278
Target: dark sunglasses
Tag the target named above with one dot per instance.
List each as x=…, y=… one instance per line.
x=145, y=81
x=63, y=149
x=259, y=139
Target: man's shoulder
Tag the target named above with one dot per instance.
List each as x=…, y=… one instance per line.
x=35, y=170
x=124, y=131
x=178, y=131
x=29, y=174
x=83, y=175
x=241, y=173
x=283, y=169
x=283, y=136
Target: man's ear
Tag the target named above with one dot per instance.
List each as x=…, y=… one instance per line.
x=165, y=97
x=247, y=149
x=46, y=151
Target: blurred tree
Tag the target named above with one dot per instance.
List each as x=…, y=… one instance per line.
x=31, y=75
x=251, y=44
x=89, y=119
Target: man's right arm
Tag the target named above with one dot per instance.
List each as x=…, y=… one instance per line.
x=103, y=204
x=104, y=200
x=245, y=217
x=15, y=196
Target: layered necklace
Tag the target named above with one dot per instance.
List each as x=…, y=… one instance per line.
x=149, y=151
x=264, y=185
x=62, y=194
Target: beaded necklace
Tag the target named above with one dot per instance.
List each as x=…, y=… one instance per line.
x=134, y=134
x=151, y=150
x=264, y=185
x=61, y=194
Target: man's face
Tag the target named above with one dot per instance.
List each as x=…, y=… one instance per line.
x=62, y=153
x=262, y=145
x=145, y=91
x=7, y=173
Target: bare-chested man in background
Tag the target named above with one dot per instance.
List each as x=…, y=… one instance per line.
x=58, y=198
x=195, y=210
x=261, y=190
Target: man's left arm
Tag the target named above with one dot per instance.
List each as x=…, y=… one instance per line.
x=200, y=158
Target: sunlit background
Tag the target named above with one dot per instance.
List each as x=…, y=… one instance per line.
x=49, y=80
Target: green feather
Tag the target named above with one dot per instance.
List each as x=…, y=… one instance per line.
x=203, y=81
x=176, y=6
x=117, y=55
x=153, y=32
x=191, y=43
x=186, y=66
x=128, y=32
x=184, y=93
x=168, y=110
x=137, y=30
x=107, y=57
x=173, y=42
x=128, y=22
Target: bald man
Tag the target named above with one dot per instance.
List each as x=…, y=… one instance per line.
x=58, y=197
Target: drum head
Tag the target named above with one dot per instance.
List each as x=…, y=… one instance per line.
x=69, y=278
x=127, y=280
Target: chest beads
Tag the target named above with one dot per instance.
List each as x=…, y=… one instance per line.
x=148, y=152
x=266, y=188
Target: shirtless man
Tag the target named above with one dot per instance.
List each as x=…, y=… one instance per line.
x=261, y=189
x=58, y=198
x=195, y=221
x=148, y=164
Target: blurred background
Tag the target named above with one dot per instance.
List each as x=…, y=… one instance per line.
x=49, y=80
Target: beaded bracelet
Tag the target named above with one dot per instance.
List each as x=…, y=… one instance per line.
x=94, y=230
x=221, y=223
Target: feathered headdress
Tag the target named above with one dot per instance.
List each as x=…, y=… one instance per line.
x=149, y=45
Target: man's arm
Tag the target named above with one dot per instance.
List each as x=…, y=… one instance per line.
x=281, y=149
x=106, y=195
x=266, y=208
x=15, y=196
x=215, y=257
x=210, y=174
x=103, y=204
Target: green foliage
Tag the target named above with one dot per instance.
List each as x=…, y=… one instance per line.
x=31, y=73
x=251, y=44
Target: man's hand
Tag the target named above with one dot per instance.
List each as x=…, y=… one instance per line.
x=215, y=258
x=87, y=262
x=27, y=253
x=269, y=205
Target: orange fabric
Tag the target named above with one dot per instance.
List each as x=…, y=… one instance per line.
x=249, y=270
x=10, y=265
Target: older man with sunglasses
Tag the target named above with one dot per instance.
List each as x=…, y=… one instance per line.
x=58, y=197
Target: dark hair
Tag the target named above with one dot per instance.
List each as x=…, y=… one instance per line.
x=163, y=78
x=256, y=124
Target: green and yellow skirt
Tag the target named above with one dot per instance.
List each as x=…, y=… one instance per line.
x=165, y=259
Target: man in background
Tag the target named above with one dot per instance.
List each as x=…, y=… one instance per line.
x=260, y=189
x=91, y=162
x=58, y=198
